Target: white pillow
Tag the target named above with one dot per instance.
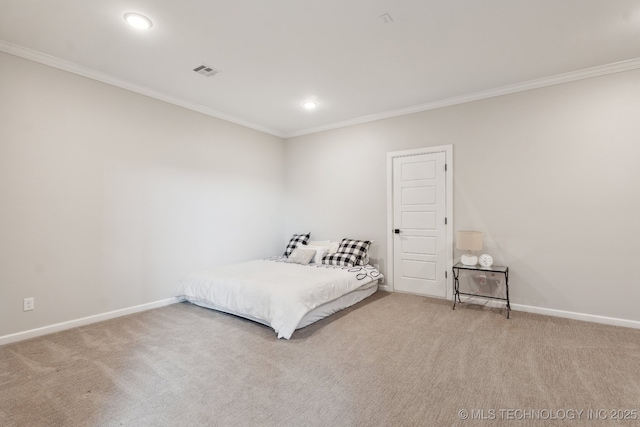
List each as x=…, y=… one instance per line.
x=333, y=247
x=321, y=251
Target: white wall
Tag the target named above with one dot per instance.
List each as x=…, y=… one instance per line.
x=550, y=176
x=108, y=198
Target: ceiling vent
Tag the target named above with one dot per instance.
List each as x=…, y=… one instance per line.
x=386, y=18
x=205, y=70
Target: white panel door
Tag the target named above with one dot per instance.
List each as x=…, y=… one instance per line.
x=419, y=240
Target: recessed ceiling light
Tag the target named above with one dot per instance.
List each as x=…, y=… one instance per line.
x=138, y=21
x=309, y=105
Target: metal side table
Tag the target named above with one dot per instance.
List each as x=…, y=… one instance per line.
x=493, y=269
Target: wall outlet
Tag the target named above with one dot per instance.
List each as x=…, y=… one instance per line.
x=29, y=304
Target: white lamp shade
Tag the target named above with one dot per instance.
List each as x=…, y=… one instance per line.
x=469, y=240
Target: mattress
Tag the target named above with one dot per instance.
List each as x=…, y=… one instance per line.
x=282, y=295
x=336, y=305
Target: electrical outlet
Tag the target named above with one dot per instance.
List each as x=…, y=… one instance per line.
x=29, y=304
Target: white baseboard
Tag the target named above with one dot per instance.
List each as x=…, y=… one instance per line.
x=385, y=288
x=556, y=313
x=20, y=336
x=577, y=316
x=32, y=333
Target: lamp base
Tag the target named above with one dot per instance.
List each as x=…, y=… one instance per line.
x=468, y=259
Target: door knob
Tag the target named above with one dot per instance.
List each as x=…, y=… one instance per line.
x=397, y=231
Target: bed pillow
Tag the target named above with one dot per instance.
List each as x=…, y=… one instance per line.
x=343, y=260
x=358, y=248
x=321, y=251
x=333, y=247
x=365, y=260
x=296, y=239
x=301, y=255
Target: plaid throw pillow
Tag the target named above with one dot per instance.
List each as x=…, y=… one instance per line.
x=343, y=260
x=296, y=239
x=358, y=248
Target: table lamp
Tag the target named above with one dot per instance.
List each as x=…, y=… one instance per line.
x=469, y=241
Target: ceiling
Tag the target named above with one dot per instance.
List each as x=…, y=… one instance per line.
x=274, y=54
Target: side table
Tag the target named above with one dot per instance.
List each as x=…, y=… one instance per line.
x=493, y=269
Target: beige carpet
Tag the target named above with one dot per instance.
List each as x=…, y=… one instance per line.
x=393, y=360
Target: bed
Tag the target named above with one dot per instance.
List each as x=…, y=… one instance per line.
x=281, y=292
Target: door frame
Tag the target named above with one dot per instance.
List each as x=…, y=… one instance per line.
x=448, y=150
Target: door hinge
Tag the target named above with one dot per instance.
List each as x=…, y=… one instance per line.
x=445, y=274
x=445, y=167
x=445, y=220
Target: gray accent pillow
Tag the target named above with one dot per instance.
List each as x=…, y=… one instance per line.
x=302, y=256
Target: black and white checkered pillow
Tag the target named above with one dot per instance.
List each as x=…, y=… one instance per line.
x=296, y=239
x=343, y=260
x=358, y=248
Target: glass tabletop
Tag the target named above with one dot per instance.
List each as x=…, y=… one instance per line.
x=478, y=267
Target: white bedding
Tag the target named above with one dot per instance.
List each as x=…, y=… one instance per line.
x=276, y=293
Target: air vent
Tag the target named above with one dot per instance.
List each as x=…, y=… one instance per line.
x=205, y=70
x=386, y=18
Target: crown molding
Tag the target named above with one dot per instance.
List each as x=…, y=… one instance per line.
x=61, y=64
x=52, y=61
x=602, y=70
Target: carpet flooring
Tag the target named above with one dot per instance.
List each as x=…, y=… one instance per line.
x=391, y=360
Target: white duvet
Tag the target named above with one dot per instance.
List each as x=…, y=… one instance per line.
x=278, y=294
